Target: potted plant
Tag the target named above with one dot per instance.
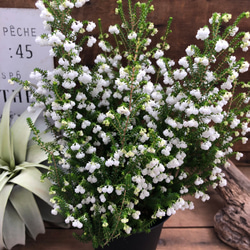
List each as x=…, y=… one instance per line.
x=136, y=132
x=25, y=199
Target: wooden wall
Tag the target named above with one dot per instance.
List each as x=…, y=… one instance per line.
x=188, y=17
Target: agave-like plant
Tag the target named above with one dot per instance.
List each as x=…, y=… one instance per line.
x=24, y=198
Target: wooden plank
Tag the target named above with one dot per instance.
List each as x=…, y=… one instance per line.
x=201, y=216
x=18, y=3
x=244, y=148
x=245, y=159
x=190, y=239
x=55, y=239
x=203, y=213
x=245, y=170
x=170, y=239
x=242, y=163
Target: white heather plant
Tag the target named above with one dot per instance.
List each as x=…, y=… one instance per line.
x=137, y=132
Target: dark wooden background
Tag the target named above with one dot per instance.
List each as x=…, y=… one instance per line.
x=188, y=17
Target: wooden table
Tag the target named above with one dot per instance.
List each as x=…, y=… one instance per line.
x=186, y=230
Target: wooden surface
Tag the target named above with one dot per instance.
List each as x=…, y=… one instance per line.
x=187, y=230
x=188, y=17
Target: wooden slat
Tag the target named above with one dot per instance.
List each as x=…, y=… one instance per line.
x=171, y=239
x=243, y=160
x=245, y=170
x=55, y=239
x=243, y=148
x=243, y=163
x=190, y=239
x=201, y=216
x=18, y=3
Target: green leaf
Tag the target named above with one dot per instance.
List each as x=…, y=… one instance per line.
x=3, y=163
x=18, y=168
x=5, y=143
x=25, y=205
x=35, y=154
x=21, y=134
x=4, y=196
x=30, y=178
x=4, y=178
x=12, y=162
x=31, y=165
x=13, y=228
x=5, y=168
x=46, y=136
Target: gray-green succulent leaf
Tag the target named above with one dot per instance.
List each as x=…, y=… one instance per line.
x=23, y=195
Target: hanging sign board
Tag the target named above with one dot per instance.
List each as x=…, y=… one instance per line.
x=19, y=53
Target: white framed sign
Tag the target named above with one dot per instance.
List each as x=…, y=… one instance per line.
x=19, y=53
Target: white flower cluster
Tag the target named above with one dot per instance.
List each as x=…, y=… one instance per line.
x=203, y=33
x=136, y=129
